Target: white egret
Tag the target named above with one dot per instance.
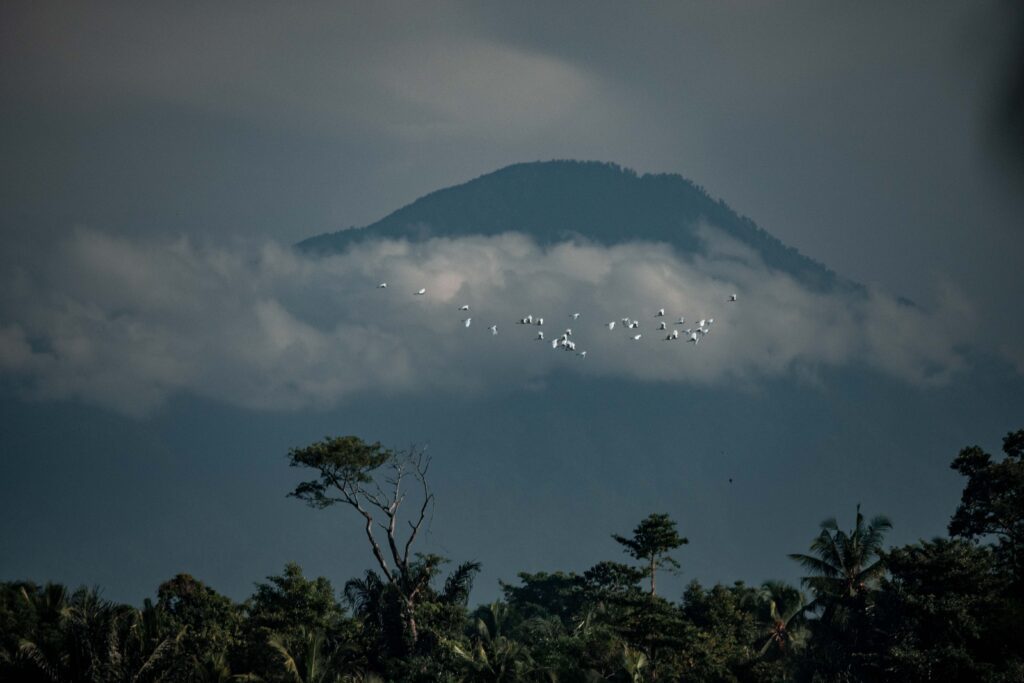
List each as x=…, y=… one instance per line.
x=382, y=285
x=540, y=336
x=611, y=325
x=421, y=292
x=494, y=329
x=464, y=307
x=732, y=297
x=467, y=321
x=661, y=325
x=575, y=316
x=582, y=354
x=660, y=313
x=540, y=321
x=681, y=321
x=636, y=337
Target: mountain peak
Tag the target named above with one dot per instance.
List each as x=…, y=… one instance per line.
x=554, y=201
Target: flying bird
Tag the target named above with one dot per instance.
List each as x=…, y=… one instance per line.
x=636, y=337
x=464, y=307
x=582, y=354
x=494, y=329
x=421, y=292
x=540, y=321
x=382, y=285
x=693, y=338
x=611, y=325
x=732, y=297
x=467, y=321
x=681, y=321
x=660, y=313
x=662, y=325
x=575, y=316
x=540, y=336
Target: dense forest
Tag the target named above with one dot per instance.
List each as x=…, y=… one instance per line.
x=566, y=200
x=947, y=609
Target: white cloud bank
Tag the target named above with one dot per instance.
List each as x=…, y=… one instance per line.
x=128, y=323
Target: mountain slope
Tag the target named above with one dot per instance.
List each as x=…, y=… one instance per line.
x=554, y=201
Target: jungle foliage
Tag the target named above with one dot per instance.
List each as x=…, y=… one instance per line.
x=947, y=609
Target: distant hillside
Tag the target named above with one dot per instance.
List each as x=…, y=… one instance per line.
x=558, y=200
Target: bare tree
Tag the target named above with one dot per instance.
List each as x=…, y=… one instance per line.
x=373, y=481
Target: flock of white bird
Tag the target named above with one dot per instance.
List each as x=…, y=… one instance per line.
x=565, y=342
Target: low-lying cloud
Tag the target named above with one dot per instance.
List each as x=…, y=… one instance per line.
x=126, y=324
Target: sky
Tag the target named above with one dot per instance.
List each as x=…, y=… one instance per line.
x=157, y=163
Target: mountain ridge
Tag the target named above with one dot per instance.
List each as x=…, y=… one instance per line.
x=561, y=200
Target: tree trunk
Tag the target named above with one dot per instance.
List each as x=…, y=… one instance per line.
x=410, y=620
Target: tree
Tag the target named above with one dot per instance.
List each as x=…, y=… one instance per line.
x=943, y=615
x=844, y=570
x=781, y=608
x=349, y=472
x=992, y=503
x=207, y=621
x=96, y=640
x=652, y=539
x=492, y=655
x=306, y=655
x=845, y=565
x=288, y=608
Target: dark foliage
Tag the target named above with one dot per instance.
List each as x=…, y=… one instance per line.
x=939, y=610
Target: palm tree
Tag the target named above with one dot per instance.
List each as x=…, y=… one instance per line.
x=98, y=640
x=493, y=656
x=843, y=573
x=844, y=566
x=307, y=658
x=633, y=664
x=783, y=629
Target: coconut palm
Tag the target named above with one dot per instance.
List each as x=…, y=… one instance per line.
x=843, y=573
x=844, y=565
x=784, y=628
x=633, y=664
x=493, y=656
x=98, y=641
x=307, y=657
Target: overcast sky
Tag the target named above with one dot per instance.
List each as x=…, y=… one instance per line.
x=156, y=156
x=260, y=119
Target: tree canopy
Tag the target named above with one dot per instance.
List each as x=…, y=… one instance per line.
x=941, y=609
